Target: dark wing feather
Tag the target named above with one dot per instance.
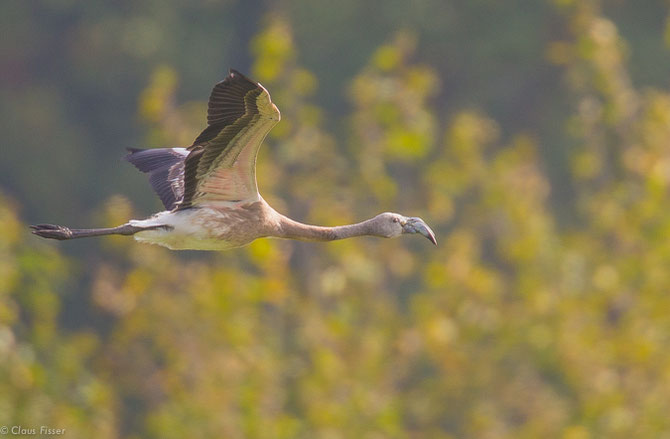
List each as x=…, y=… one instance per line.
x=239, y=114
x=226, y=104
x=165, y=167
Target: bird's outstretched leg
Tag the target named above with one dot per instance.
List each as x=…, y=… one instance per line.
x=53, y=231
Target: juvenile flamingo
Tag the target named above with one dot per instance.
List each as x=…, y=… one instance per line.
x=209, y=189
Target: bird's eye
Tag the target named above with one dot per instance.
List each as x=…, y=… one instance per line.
x=395, y=220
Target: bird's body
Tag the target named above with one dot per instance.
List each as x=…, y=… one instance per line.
x=209, y=189
x=217, y=227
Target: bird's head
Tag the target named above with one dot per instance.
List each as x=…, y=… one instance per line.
x=391, y=224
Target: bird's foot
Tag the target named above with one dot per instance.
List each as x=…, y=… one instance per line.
x=52, y=231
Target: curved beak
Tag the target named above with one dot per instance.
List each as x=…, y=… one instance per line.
x=417, y=225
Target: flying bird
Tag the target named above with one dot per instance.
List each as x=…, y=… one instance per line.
x=209, y=189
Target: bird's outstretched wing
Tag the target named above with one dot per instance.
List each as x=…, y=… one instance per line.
x=165, y=167
x=221, y=164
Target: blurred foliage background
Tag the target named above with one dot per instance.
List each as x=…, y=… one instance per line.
x=532, y=135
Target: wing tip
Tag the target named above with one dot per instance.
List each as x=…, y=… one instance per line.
x=132, y=151
x=233, y=74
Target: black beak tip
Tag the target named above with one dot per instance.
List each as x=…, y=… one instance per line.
x=431, y=237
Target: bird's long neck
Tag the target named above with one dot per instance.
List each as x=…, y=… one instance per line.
x=292, y=229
